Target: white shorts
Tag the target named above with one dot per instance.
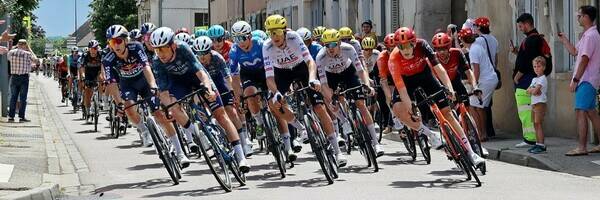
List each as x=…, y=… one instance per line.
x=488, y=93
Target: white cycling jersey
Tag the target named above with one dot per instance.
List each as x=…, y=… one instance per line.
x=294, y=53
x=356, y=44
x=337, y=64
x=371, y=61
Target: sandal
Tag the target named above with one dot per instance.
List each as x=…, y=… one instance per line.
x=595, y=149
x=576, y=152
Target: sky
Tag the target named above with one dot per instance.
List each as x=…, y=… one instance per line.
x=57, y=17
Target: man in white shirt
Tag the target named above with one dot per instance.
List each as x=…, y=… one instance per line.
x=490, y=44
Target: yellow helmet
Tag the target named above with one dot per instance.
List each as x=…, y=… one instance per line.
x=275, y=22
x=345, y=32
x=330, y=35
x=368, y=43
x=317, y=32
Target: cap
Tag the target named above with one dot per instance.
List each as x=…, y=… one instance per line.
x=22, y=41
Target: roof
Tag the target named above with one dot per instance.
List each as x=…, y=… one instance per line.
x=82, y=31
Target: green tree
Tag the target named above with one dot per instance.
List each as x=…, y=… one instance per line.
x=17, y=9
x=109, y=12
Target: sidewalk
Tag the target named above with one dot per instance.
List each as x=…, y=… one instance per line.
x=38, y=157
x=502, y=148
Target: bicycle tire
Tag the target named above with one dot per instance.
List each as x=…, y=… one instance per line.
x=274, y=144
x=96, y=114
x=463, y=158
x=318, y=147
x=180, y=137
x=474, y=140
x=214, y=159
x=162, y=150
x=422, y=141
x=369, y=147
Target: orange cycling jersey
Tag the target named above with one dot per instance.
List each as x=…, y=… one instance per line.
x=401, y=67
x=383, y=67
x=62, y=66
x=456, y=63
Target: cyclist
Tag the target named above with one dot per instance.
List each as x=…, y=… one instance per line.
x=317, y=32
x=220, y=73
x=91, y=64
x=179, y=72
x=136, y=35
x=409, y=68
x=385, y=77
x=63, y=71
x=371, y=56
x=73, y=62
x=247, y=66
x=220, y=42
x=146, y=30
x=287, y=59
x=313, y=47
x=454, y=62
x=347, y=36
x=338, y=65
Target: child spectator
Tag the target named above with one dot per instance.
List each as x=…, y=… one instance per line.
x=537, y=90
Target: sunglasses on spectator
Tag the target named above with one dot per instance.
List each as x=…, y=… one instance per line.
x=331, y=45
x=115, y=41
x=276, y=32
x=240, y=38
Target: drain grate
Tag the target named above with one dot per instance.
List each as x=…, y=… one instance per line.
x=22, y=135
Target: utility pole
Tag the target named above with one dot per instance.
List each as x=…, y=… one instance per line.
x=243, y=10
x=75, y=32
x=4, y=71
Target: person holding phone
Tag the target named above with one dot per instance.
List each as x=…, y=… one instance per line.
x=533, y=45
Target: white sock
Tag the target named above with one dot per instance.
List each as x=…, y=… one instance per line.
x=340, y=116
x=286, y=141
x=465, y=141
x=296, y=124
x=335, y=126
x=239, y=152
x=188, y=132
x=243, y=137
x=258, y=118
x=175, y=141
x=334, y=144
x=374, y=135
x=540, y=144
x=425, y=130
x=141, y=127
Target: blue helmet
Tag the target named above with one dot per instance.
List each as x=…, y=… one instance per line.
x=259, y=34
x=216, y=31
x=201, y=32
x=147, y=28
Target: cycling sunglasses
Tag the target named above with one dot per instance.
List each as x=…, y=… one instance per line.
x=276, y=32
x=115, y=41
x=240, y=38
x=331, y=45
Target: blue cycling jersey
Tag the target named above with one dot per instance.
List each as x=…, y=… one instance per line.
x=132, y=67
x=314, y=49
x=218, y=71
x=181, y=69
x=251, y=60
x=74, y=61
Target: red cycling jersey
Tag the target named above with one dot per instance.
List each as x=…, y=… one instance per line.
x=224, y=51
x=400, y=66
x=456, y=63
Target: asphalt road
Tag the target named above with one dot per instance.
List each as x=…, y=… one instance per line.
x=120, y=168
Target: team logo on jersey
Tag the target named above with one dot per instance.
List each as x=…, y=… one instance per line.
x=287, y=59
x=253, y=63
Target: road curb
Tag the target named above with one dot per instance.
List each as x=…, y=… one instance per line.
x=508, y=156
x=47, y=191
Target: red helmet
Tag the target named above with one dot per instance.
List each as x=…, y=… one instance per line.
x=404, y=35
x=482, y=22
x=441, y=40
x=465, y=32
x=388, y=41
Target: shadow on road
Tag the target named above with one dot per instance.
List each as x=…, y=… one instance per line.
x=129, y=146
x=446, y=183
x=357, y=169
x=146, y=166
x=105, y=137
x=149, y=184
x=85, y=132
x=310, y=183
x=269, y=176
x=450, y=172
x=216, y=190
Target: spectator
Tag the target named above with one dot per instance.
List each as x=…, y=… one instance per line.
x=21, y=60
x=537, y=90
x=367, y=31
x=489, y=43
x=485, y=77
x=586, y=80
x=531, y=47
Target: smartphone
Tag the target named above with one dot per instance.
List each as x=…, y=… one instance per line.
x=558, y=31
x=512, y=44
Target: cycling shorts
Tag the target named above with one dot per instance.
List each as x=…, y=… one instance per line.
x=346, y=79
x=430, y=85
x=180, y=87
x=285, y=77
x=132, y=87
x=253, y=77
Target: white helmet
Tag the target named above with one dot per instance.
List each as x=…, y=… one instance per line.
x=184, y=37
x=304, y=33
x=85, y=49
x=74, y=49
x=202, y=43
x=241, y=28
x=116, y=31
x=161, y=37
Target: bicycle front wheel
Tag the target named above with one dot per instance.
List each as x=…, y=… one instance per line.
x=317, y=144
x=162, y=149
x=213, y=156
x=274, y=143
x=461, y=157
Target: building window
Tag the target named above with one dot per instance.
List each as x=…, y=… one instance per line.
x=201, y=19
